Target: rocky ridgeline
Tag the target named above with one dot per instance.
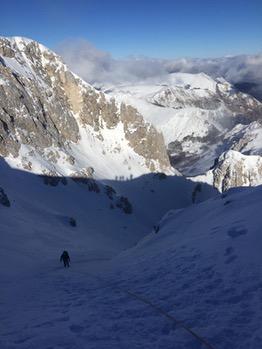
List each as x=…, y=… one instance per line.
x=90, y=184
x=223, y=94
x=44, y=107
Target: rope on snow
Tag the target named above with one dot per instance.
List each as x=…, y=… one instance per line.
x=160, y=311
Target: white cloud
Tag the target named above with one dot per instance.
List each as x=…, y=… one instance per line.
x=99, y=67
x=96, y=66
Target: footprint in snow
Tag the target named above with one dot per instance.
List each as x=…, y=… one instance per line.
x=44, y=324
x=62, y=319
x=78, y=304
x=229, y=250
x=215, y=229
x=22, y=340
x=235, y=232
x=230, y=259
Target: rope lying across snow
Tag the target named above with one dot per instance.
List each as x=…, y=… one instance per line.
x=159, y=310
x=170, y=318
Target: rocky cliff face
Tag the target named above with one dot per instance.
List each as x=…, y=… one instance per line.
x=236, y=170
x=52, y=122
x=233, y=169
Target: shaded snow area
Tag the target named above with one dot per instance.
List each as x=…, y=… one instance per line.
x=46, y=306
x=196, y=283
x=204, y=268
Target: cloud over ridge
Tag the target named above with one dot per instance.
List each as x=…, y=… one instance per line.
x=99, y=67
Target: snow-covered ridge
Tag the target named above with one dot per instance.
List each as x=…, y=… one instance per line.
x=200, y=81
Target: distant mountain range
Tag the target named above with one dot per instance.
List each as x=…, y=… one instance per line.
x=199, y=117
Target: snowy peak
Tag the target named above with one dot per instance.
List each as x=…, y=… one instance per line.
x=198, y=81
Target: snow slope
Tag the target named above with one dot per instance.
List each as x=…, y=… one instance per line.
x=37, y=226
x=201, y=268
x=109, y=215
x=42, y=306
x=245, y=138
x=154, y=194
x=149, y=98
x=204, y=268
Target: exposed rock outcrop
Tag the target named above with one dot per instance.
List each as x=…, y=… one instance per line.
x=233, y=169
x=236, y=170
x=4, y=198
x=144, y=138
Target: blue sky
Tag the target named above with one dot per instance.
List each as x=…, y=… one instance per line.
x=167, y=28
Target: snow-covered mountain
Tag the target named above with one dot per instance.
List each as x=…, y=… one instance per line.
x=84, y=172
x=196, y=114
x=53, y=122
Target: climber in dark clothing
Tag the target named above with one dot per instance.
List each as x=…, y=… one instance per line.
x=65, y=258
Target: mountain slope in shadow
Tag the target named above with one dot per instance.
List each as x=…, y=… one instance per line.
x=48, y=214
